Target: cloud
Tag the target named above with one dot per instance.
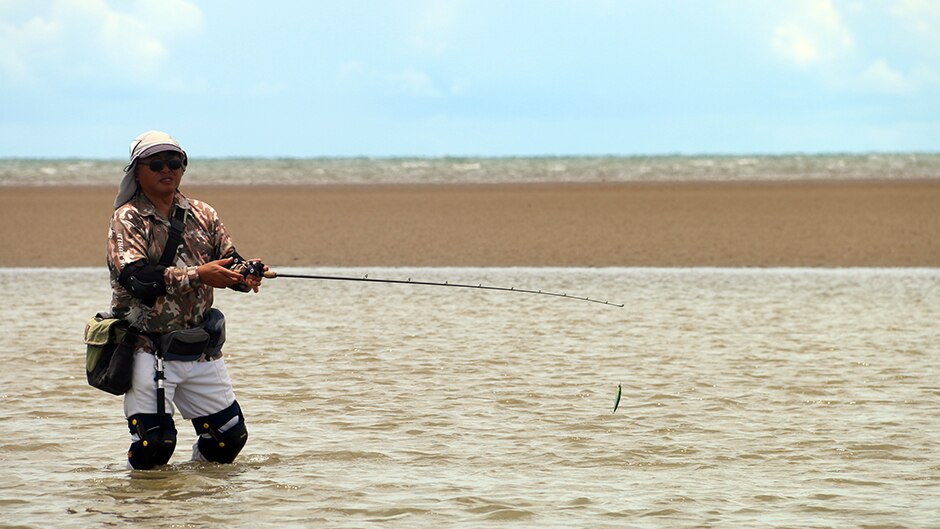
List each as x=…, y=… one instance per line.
x=922, y=16
x=919, y=20
x=88, y=41
x=793, y=44
x=434, y=24
x=14, y=64
x=812, y=33
x=881, y=77
x=858, y=46
x=415, y=84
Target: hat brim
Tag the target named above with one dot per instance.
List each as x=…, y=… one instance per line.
x=160, y=147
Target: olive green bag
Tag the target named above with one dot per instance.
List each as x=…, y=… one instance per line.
x=109, y=355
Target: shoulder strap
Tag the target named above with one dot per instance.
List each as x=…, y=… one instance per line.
x=173, y=240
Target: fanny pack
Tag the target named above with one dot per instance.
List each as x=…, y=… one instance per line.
x=195, y=343
x=109, y=353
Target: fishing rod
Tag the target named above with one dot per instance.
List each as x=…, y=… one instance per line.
x=366, y=279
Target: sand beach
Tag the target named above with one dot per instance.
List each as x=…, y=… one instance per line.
x=726, y=224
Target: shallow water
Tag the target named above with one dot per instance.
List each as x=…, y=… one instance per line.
x=751, y=398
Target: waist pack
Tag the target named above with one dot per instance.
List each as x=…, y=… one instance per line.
x=204, y=341
x=109, y=354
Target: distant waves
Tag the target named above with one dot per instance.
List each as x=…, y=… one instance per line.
x=493, y=170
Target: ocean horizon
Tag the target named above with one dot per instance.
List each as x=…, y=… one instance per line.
x=482, y=169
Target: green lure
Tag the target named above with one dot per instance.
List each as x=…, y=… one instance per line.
x=617, y=400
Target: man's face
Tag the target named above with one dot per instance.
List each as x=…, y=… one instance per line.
x=155, y=176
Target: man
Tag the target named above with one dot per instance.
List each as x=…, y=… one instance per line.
x=167, y=298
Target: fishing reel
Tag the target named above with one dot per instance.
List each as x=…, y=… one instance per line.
x=246, y=267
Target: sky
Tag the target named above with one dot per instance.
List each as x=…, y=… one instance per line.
x=233, y=78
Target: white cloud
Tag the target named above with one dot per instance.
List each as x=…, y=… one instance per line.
x=833, y=40
x=919, y=20
x=13, y=62
x=415, y=83
x=792, y=43
x=922, y=16
x=434, y=25
x=811, y=33
x=881, y=77
x=78, y=41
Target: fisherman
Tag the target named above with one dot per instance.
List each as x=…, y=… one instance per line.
x=165, y=292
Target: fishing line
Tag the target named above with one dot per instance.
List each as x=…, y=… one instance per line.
x=366, y=279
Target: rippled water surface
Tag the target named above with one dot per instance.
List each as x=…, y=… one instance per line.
x=751, y=398
x=888, y=166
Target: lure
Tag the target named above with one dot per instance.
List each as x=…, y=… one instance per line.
x=617, y=400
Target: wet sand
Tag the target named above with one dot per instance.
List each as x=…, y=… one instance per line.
x=814, y=224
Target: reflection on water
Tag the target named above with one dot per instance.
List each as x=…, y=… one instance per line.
x=750, y=398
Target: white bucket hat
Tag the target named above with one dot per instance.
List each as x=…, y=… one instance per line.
x=148, y=143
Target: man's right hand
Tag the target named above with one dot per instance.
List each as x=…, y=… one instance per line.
x=217, y=275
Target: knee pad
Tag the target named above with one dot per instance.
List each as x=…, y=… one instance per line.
x=156, y=440
x=220, y=441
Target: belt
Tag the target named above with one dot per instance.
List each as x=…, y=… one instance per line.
x=154, y=338
x=201, y=357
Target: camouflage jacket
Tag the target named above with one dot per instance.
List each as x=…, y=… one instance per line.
x=138, y=231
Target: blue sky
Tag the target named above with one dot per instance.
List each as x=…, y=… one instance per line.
x=475, y=77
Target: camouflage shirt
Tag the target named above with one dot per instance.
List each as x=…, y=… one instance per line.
x=138, y=231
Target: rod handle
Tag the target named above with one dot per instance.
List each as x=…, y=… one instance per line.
x=270, y=274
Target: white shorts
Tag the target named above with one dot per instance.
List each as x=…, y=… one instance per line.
x=198, y=389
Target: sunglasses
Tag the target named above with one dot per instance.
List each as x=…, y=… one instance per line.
x=157, y=165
